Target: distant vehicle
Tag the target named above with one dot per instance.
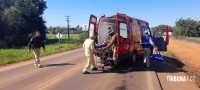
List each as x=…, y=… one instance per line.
x=129, y=30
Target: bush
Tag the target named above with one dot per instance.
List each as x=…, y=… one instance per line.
x=187, y=27
x=3, y=44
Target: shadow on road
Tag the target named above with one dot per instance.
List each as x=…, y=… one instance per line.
x=60, y=64
x=170, y=65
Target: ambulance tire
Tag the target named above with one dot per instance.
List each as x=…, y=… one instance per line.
x=116, y=65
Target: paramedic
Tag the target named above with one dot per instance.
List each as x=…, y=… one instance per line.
x=112, y=42
x=88, y=45
x=147, y=43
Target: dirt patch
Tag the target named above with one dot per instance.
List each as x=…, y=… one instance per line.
x=189, y=54
x=193, y=72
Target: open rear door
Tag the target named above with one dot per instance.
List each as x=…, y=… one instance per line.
x=161, y=37
x=123, y=32
x=92, y=28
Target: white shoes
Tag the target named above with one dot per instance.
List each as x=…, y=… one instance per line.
x=37, y=65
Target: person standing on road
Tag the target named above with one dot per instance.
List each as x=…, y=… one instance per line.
x=35, y=44
x=147, y=44
x=89, y=47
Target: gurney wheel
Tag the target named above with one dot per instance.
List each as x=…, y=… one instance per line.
x=102, y=67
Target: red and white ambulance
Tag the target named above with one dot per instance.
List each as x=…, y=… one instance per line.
x=129, y=30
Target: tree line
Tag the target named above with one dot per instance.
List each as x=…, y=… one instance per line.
x=187, y=27
x=64, y=30
x=19, y=19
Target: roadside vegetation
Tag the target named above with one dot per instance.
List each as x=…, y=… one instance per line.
x=187, y=29
x=52, y=46
x=189, y=39
x=170, y=53
x=19, y=19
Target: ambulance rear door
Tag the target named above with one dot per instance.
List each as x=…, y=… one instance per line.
x=123, y=34
x=161, y=37
x=92, y=28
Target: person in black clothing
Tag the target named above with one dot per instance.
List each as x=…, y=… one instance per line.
x=35, y=44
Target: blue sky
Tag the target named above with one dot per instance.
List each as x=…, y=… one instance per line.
x=153, y=11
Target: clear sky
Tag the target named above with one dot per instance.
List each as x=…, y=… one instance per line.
x=153, y=11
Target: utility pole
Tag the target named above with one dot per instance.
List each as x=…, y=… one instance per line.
x=67, y=19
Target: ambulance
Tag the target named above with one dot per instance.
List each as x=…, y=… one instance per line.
x=129, y=32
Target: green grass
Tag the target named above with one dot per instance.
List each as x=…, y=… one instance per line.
x=170, y=53
x=64, y=36
x=8, y=56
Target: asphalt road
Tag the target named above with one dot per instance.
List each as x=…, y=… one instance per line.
x=62, y=71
